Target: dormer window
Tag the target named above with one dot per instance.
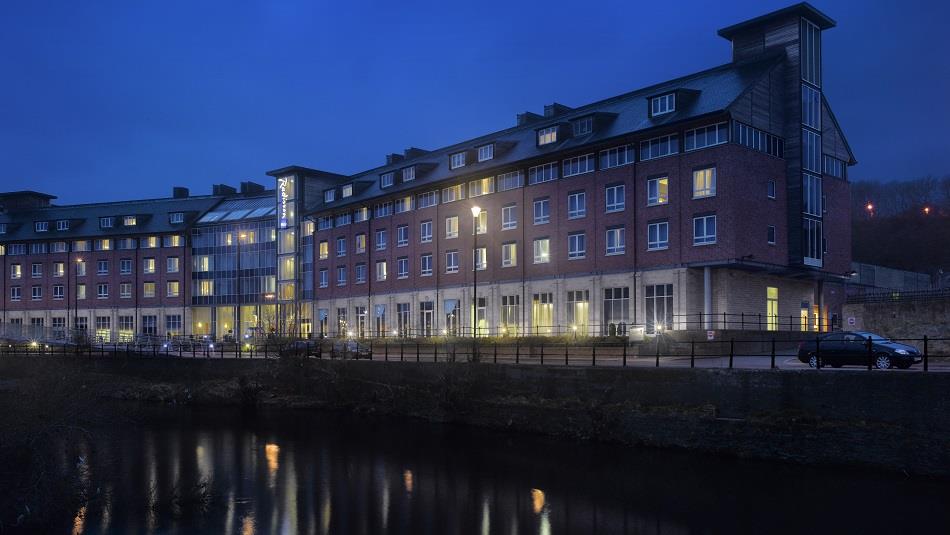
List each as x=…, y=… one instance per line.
x=106, y=222
x=547, y=135
x=583, y=126
x=386, y=179
x=409, y=173
x=486, y=152
x=3, y=228
x=129, y=221
x=41, y=226
x=62, y=224
x=457, y=160
x=176, y=218
x=662, y=104
x=347, y=191
x=329, y=195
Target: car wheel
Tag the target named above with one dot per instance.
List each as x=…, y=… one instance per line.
x=812, y=360
x=883, y=361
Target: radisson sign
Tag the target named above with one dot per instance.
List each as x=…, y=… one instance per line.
x=282, y=184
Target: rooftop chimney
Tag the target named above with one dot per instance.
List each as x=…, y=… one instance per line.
x=554, y=109
x=528, y=118
x=222, y=189
x=251, y=187
x=179, y=192
x=394, y=158
x=413, y=152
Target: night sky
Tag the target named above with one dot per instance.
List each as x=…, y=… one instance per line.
x=111, y=100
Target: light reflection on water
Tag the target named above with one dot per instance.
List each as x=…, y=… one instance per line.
x=322, y=474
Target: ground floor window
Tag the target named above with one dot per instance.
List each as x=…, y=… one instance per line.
x=510, y=314
x=658, y=307
x=771, y=308
x=341, y=321
x=402, y=318
x=451, y=317
x=173, y=325
x=126, y=328
x=542, y=313
x=104, y=328
x=578, y=310
x=79, y=323
x=426, y=317
x=480, y=317
x=379, y=320
x=361, y=322
x=59, y=327
x=616, y=311
x=323, y=316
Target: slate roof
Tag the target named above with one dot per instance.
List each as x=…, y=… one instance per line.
x=712, y=91
x=151, y=214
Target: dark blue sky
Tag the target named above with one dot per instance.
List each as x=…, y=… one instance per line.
x=111, y=100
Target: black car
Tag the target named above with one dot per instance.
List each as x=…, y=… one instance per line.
x=851, y=348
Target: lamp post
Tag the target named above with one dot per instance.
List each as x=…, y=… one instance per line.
x=76, y=295
x=476, y=211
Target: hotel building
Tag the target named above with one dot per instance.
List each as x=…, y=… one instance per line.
x=715, y=200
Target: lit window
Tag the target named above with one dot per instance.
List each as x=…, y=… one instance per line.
x=547, y=135
x=346, y=191
x=129, y=221
x=615, y=241
x=381, y=271
x=542, y=251
x=663, y=104
x=360, y=243
x=480, y=258
x=658, y=191
x=148, y=266
x=509, y=254
x=481, y=223
x=480, y=187
x=324, y=250
x=486, y=152
x=453, y=193
x=205, y=287
x=172, y=289
x=704, y=183
x=452, y=227
x=457, y=160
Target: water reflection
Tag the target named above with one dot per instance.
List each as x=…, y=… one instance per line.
x=290, y=473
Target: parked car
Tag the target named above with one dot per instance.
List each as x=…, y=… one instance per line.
x=851, y=348
x=352, y=349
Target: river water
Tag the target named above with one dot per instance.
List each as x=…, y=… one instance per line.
x=182, y=471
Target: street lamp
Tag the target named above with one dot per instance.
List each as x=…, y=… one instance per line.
x=476, y=211
x=76, y=294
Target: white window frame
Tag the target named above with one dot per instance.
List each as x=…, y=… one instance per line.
x=486, y=152
x=457, y=160
x=579, y=209
x=402, y=267
x=451, y=230
x=425, y=231
x=409, y=173
x=705, y=238
x=509, y=217
x=619, y=191
x=576, y=245
x=582, y=126
x=451, y=261
x=619, y=238
x=545, y=205
x=386, y=180
x=541, y=247
x=547, y=135
x=653, y=191
x=402, y=241
x=578, y=165
x=63, y=224
x=708, y=188
x=662, y=104
x=425, y=265
x=41, y=226
x=654, y=241
x=509, y=254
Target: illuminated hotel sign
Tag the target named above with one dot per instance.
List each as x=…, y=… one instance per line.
x=282, y=185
